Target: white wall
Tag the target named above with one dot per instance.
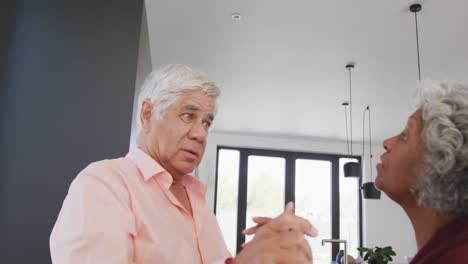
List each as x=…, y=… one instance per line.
x=385, y=223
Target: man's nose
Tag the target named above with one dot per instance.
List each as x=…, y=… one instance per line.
x=198, y=132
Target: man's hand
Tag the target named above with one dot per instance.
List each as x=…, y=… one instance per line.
x=283, y=248
x=285, y=222
x=279, y=240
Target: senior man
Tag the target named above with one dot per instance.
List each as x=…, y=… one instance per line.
x=146, y=208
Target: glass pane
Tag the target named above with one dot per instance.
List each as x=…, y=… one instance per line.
x=227, y=195
x=265, y=188
x=313, y=202
x=349, y=209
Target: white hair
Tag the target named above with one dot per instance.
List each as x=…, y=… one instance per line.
x=444, y=183
x=165, y=85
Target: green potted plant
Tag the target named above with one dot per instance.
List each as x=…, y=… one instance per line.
x=377, y=255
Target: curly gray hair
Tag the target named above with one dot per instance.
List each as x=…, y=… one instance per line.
x=444, y=111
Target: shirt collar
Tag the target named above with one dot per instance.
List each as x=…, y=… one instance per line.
x=146, y=164
x=150, y=168
x=194, y=184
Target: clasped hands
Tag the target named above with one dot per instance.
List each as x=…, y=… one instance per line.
x=278, y=240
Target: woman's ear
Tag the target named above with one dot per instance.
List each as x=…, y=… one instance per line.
x=146, y=114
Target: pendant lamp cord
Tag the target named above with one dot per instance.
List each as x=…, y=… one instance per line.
x=370, y=138
x=370, y=144
x=346, y=123
x=350, y=112
x=417, y=44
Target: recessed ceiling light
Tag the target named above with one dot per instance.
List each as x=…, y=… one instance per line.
x=236, y=16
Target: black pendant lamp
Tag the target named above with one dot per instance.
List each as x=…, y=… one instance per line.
x=351, y=169
x=368, y=189
x=370, y=192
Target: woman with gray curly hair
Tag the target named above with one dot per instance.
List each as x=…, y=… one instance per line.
x=425, y=170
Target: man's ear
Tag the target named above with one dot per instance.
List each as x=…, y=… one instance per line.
x=146, y=113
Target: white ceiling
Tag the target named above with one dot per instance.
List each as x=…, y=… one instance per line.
x=281, y=68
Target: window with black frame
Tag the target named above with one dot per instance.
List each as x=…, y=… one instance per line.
x=258, y=182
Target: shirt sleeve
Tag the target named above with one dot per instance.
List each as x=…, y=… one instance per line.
x=95, y=224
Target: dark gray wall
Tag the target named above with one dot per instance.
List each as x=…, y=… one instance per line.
x=67, y=86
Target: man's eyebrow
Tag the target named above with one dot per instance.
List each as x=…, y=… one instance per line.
x=191, y=107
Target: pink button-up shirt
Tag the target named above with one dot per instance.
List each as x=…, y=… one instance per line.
x=121, y=211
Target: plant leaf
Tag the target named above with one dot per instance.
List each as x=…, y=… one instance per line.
x=363, y=249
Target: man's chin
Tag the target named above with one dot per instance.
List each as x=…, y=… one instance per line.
x=190, y=169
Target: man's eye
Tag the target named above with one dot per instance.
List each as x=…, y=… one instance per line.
x=207, y=124
x=187, y=116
